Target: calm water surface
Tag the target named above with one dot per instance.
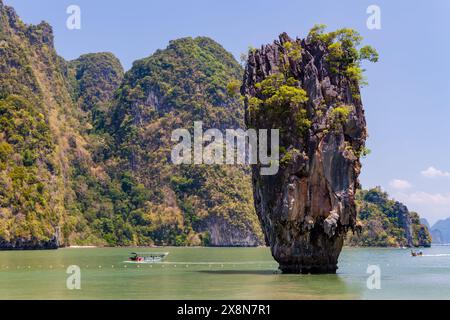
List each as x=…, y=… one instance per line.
x=220, y=273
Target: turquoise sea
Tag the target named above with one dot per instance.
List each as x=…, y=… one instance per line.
x=219, y=273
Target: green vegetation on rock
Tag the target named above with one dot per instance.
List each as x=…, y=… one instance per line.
x=277, y=96
x=387, y=223
x=191, y=80
x=344, y=55
x=85, y=148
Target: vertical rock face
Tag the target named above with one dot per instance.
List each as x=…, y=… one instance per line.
x=405, y=220
x=308, y=206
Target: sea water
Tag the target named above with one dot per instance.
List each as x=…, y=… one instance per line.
x=220, y=273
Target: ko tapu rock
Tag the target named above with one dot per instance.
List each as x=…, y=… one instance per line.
x=309, y=90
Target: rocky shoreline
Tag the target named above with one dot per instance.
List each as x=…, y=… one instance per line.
x=29, y=244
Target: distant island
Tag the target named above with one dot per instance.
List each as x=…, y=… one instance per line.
x=440, y=231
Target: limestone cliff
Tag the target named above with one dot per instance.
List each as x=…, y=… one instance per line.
x=85, y=148
x=309, y=89
x=37, y=121
x=189, y=204
x=387, y=223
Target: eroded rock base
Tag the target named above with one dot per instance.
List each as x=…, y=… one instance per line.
x=300, y=269
x=314, y=253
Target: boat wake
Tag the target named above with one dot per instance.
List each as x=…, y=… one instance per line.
x=201, y=263
x=437, y=255
x=141, y=262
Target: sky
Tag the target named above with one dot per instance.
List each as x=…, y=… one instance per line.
x=407, y=101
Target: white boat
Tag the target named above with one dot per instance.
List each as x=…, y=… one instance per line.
x=147, y=257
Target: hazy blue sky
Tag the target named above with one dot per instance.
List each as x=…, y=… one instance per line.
x=407, y=101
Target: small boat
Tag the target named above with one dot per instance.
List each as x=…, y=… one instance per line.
x=147, y=257
x=416, y=253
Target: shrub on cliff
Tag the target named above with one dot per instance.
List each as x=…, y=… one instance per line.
x=343, y=53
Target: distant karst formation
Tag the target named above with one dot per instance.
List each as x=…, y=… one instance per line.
x=440, y=232
x=310, y=90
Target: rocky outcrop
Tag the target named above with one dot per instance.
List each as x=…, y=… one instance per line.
x=223, y=234
x=387, y=223
x=405, y=221
x=308, y=206
x=29, y=244
x=415, y=233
